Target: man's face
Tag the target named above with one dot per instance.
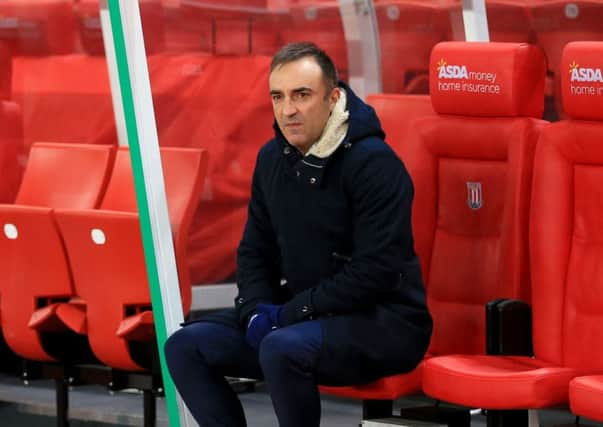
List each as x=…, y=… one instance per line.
x=300, y=101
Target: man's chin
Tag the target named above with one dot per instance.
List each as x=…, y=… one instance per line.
x=296, y=142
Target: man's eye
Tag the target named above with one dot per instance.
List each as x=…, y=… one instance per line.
x=276, y=97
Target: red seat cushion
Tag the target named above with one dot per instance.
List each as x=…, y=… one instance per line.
x=586, y=395
x=390, y=387
x=496, y=382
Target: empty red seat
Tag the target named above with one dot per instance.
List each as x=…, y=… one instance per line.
x=471, y=165
x=41, y=27
x=509, y=21
x=565, y=251
x=319, y=22
x=35, y=269
x=585, y=102
x=11, y=151
x=558, y=22
x=91, y=37
x=107, y=259
x=223, y=28
x=64, y=98
x=408, y=30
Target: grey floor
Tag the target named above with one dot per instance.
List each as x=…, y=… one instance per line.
x=93, y=406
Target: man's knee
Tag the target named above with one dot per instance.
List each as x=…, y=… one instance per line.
x=178, y=344
x=191, y=340
x=284, y=348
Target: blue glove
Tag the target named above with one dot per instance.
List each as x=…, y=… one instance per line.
x=258, y=327
x=272, y=311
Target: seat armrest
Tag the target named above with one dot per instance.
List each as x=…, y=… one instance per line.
x=508, y=327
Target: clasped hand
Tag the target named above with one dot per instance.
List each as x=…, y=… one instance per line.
x=262, y=322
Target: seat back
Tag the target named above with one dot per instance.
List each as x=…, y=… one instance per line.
x=65, y=175
x=509, y=21
x=397, y=114
x=65, y=98
x=557, y=23
x=566, y=226
x=472, y=167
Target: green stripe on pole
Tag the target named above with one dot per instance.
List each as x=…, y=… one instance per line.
x=142, y=200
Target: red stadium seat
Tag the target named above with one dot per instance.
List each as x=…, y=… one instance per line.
x=409, y=29
x=558, y=22
x=43, y=27
x=88, y=17
x=116, y=292
x=64, y=98
x=471, y=165
x=223, y=28
x=585, y=393
x=35, y=269
x=11, y=151
x=319, y=22
x=509, y=21
x=565, y=251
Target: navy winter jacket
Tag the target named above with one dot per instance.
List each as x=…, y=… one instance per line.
x=331, y=239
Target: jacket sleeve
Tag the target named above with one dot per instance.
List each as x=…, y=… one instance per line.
x=381, y=194
x=258, y=271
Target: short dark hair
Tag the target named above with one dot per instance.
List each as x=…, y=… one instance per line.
x=298, y=50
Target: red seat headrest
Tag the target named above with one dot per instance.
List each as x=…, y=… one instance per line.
x=582, y=80
x=487, y=79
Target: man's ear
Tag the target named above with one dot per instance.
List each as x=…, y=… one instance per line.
x=334, y=97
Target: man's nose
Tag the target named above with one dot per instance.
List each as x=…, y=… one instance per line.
x=289, y=108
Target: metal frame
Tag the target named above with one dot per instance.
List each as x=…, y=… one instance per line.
x=362, y=35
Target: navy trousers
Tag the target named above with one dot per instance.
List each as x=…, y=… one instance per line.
x=201, y=354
